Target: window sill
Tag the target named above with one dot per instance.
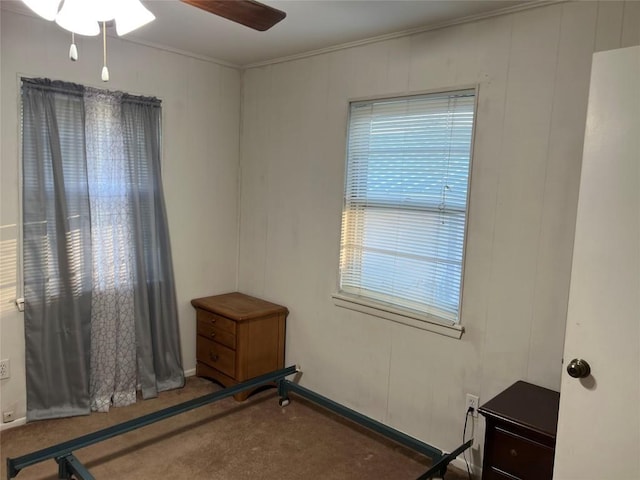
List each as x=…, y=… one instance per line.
x=406, y=317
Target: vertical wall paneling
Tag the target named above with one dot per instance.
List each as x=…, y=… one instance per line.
x=398, y=60
x=493, y=59
x=609, y=26
x=431, y=66
x=532, y=71
x=529, y=104
x=631, y=24
x=253, y=172
x=297, y=166
x=563, y=159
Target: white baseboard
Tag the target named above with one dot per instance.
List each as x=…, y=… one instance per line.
x=16, y=423
x=190, y=373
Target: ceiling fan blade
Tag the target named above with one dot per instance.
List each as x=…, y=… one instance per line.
x=250, y=13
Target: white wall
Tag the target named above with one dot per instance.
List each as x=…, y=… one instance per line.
x=201, y=115
x=532, y=69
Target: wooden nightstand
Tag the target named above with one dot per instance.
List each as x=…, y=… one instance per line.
x=520, y=437
x=239, y=337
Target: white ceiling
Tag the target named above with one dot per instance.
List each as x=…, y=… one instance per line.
x=310, y=25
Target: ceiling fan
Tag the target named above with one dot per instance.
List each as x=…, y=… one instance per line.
x=250, y=13
x=84, y=17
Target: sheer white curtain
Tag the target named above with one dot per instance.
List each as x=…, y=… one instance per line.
x=113, y=332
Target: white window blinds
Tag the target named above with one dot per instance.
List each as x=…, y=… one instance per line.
x=405, y=203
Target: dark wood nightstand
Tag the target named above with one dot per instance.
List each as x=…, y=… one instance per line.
x=520, y=436
x=239, y=337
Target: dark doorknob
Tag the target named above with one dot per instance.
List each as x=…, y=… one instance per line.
x=578, y=368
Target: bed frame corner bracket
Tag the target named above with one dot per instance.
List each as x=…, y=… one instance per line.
x=12, y=471
x=283, y=392
x=439, y=467
x=69, y=467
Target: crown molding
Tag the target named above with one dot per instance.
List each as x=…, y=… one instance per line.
x=405, y=33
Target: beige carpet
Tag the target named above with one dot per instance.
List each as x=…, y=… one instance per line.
x=226, y=440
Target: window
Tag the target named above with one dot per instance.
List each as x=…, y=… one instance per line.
x=405, y=203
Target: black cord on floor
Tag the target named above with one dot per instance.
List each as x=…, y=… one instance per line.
x=464, y=434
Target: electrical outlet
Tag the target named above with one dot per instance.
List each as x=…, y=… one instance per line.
x=8, y=416
x=5, y=372
x=472, y=403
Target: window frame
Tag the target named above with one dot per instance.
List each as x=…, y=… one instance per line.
x=389, y=311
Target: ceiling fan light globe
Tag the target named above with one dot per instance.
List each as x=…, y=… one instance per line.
x=47, y=9
x=133, y=17
x=76, y=16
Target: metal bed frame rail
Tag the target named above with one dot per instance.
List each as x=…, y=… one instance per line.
x=63, y=452
x=440, y=459
x=69, y=467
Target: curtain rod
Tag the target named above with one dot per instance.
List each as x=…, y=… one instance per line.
x=71, y=88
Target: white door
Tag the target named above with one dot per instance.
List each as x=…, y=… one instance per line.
x=599, y=421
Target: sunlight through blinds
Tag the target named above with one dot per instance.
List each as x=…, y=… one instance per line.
x=405, y=205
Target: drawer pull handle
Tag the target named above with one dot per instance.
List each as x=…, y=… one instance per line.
x=213, y=320
x=213, y=357
x=213, y=334
x=513, y=452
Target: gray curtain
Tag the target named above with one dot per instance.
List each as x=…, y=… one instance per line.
x=74, y=316
x=56, y=250
x=156, y=311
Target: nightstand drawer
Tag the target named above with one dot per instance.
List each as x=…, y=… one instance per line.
x=211, y=330
x=218, y=321
x=521, y=457
x=238, y=337
x=216, y=355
